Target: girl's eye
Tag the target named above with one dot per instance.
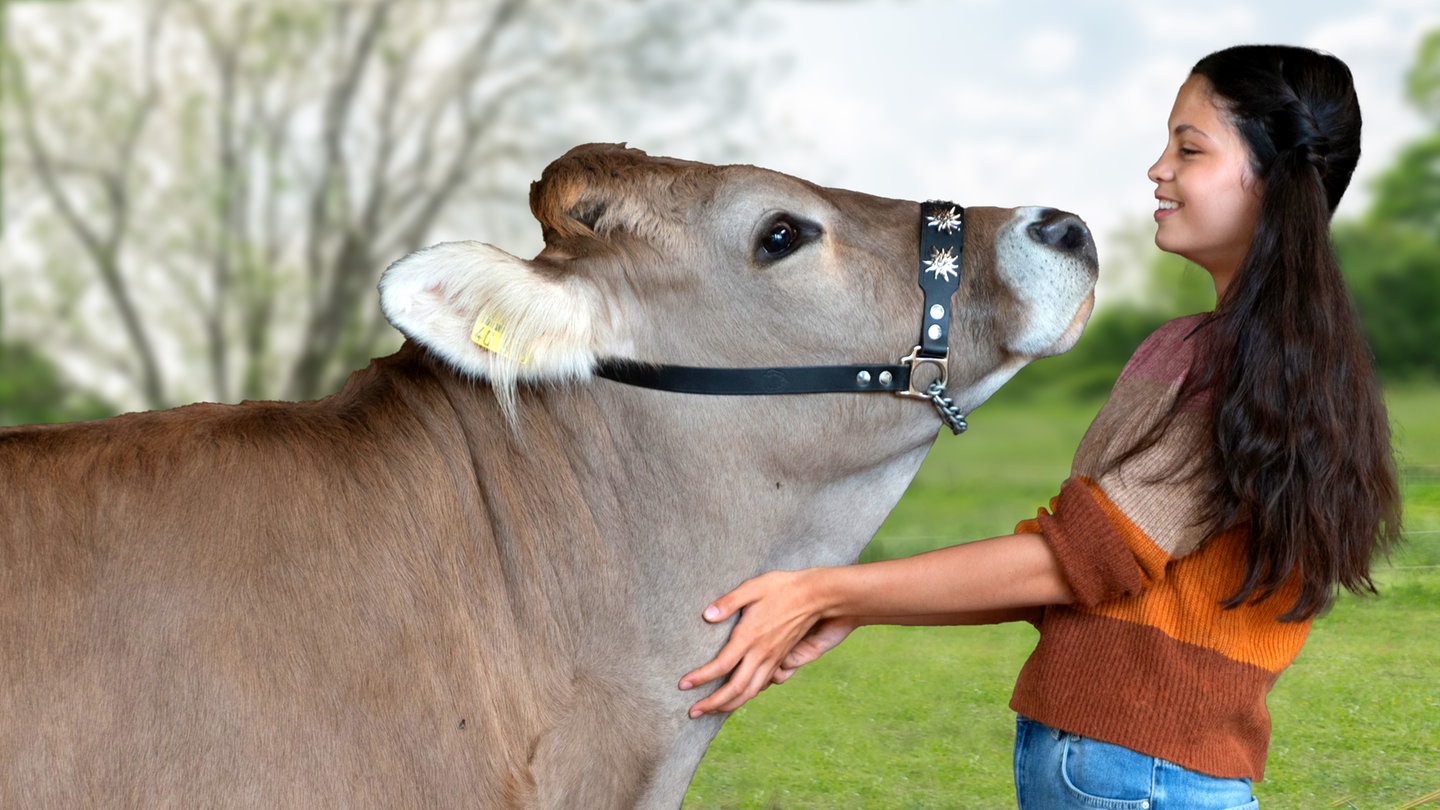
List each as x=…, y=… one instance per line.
x=1186, y=151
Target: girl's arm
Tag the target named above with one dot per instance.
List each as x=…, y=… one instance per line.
x=827, y=634
x=998, y=579
x=967, y=618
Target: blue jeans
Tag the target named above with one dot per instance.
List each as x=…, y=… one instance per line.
x=1056, y=770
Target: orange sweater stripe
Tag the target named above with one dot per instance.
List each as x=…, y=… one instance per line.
x=1187, y=609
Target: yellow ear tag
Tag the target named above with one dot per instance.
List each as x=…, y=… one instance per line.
x=487, y=335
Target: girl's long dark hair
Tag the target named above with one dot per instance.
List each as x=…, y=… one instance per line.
x=1301, y=439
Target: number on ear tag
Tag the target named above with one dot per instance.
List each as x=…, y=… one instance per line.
x=489, y=336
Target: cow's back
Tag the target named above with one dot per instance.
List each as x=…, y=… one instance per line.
x=271, y=604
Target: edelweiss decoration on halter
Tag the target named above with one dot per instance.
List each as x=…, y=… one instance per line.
x=942, y=243
x=943, y=262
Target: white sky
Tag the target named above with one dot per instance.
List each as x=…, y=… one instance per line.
x=997, y=102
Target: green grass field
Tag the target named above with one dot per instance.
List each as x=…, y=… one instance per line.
x=918, y=717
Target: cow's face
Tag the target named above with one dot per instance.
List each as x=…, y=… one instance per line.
x=676, y=262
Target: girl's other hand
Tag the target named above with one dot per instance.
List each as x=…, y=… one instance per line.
x=821, y=639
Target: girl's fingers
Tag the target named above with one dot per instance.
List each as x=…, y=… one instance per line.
x=745, y=683
x=729, y=655
x=721, y=700
x=736, y=600
x=718, y=611
x=723, y=662
x=722, y=608
x=748, y=679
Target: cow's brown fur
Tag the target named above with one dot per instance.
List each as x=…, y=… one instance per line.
x=396, y=596
x=279, y=603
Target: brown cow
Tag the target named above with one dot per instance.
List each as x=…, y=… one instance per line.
x=473, y=577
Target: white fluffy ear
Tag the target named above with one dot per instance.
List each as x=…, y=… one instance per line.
x=492, y=315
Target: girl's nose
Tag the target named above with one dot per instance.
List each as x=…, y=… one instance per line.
x=1159, y=170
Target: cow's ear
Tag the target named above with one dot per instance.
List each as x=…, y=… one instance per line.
x=493, y=315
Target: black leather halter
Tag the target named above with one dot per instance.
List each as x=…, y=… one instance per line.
x=942, y=242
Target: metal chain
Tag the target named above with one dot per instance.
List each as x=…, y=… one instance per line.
x=949, y=414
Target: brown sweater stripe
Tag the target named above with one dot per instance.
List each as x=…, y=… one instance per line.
x=1131, y=685
x=1096, y=561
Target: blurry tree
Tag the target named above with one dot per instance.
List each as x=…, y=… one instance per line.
x=1391, y=256
x=1407, y=194
x=32, y=391
x=1394, y=277
x=1422, y=82
x=202, y=194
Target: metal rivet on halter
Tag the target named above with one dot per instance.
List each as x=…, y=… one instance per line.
x=937, y=312
x=863, y=378
x=886, y=378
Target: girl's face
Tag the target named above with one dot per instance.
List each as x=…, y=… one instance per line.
x=1209, y=201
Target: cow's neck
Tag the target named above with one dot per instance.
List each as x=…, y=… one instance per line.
x=662, y=502
x=700, y=492
x=722, y=488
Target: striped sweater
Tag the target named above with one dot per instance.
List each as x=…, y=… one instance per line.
x=1146, y=657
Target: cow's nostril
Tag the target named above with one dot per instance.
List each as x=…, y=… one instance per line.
x=1061, y=230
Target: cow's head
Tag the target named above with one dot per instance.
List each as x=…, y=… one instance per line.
x=670, y=261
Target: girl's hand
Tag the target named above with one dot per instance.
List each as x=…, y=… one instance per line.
x=779, y=612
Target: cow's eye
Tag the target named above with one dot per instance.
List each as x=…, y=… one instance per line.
x=780, y=239
x=782, y=236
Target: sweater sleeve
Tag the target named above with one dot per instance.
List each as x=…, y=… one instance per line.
x=1101, y=553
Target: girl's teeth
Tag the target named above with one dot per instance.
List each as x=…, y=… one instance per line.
x=1168, y=205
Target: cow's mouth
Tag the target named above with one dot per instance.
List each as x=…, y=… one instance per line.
x=1071, y=335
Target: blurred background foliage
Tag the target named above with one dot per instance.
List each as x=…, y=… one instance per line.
x=202, y=194
x=32, y=390
x=199, y=196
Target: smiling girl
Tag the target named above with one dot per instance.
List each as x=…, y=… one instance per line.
x=1239, y=475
